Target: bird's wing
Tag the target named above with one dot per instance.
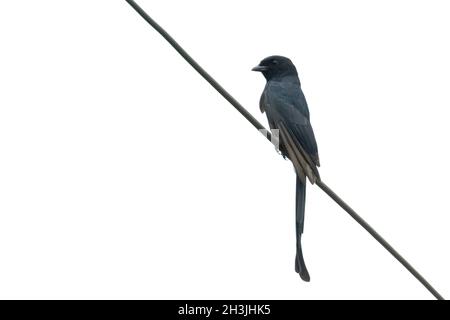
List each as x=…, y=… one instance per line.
x=302, y=162
x=305, y=135
x=262, y=103
x=286, y=108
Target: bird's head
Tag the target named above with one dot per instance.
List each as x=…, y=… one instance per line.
x=276, y=67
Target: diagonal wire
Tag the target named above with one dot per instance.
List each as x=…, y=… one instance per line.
x=379, y=238
x=261, y=128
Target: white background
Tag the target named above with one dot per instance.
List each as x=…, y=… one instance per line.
x=123, y=174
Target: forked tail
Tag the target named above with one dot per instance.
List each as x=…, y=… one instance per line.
x=300, y=266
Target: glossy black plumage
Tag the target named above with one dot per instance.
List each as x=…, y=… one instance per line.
x=286, y=108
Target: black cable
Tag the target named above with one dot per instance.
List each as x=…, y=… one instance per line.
x=261, y=128
x=379, y=238
x=199, y=69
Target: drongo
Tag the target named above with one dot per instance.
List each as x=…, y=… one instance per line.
x=287, y=111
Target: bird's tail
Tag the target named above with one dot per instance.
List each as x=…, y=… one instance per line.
x=300, y=266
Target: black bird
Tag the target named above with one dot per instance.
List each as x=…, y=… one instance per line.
x=287, y=111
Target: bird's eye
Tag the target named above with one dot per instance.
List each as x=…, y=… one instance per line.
x=274, y=61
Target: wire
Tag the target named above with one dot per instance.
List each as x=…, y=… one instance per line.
x=379, y=238
x=262, y=129
x=199, y=69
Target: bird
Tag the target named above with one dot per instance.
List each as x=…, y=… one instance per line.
x=287, y=112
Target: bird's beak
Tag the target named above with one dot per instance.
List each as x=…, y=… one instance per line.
x=260, y=68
